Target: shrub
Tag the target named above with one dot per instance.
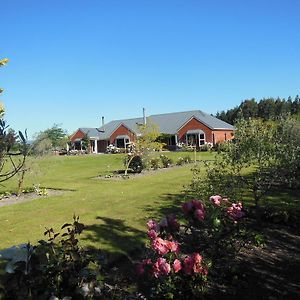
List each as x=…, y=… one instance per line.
x=154, y=163
x=57, y=267
x=180, y=255
x=206, y=147
x=136, y=164
x=180, y=161
x=187, y=159
x=112, y=149
x=166, y=161
x=183, y=160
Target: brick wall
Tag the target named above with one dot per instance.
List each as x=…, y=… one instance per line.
x=194, y=124
x=122, y=130
x=222, y=135
x=77, y=135
x=211, y=136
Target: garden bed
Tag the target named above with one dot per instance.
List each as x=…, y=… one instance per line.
x=120, y=174
x=25, y=197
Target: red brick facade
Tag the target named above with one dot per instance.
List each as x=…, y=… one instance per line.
x=211, y=136
x=77, y=135
x=122, y=130
x=222, y=135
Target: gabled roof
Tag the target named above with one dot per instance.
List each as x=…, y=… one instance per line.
x=168, y=123
x=90, y=132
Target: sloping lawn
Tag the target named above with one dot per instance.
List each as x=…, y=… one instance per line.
x=114, y=211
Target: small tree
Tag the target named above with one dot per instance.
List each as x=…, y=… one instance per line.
x=53, y=138
x=146, y=144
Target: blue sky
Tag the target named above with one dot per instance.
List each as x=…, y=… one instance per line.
x=72, y=62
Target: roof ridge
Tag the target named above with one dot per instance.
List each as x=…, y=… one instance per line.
x=180, y=112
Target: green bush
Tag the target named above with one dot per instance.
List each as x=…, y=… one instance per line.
x=184, y=256
x=136, y=164
x=166, y=161
x=58, y=268
x=154, y=163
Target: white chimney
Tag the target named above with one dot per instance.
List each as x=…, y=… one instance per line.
x=102, y=120
x=144, y=116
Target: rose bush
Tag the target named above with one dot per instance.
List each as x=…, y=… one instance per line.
x=181, y=255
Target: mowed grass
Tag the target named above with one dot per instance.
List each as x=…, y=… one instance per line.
x=114, y=211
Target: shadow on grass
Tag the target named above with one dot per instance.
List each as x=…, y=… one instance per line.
x=166, y=204
x=119, y=238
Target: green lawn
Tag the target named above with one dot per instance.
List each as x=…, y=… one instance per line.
x=114, y=212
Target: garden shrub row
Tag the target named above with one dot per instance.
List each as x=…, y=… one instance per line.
x=139, y=162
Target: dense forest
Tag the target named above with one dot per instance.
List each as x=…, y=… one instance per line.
x=266, y=108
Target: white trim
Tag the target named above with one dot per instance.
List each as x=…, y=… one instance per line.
x=95, y=146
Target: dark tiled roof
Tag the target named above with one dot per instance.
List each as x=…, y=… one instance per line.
x=168, y=123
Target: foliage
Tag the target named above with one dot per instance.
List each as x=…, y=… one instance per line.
x=263, y=154
x=266, y=109
x=56, y=267
x=136, y=163
x=13, y=147
x=287, y=153
x=86, y=143
x=145, y=144
x=180, y=255
x=166, y=161
x=54, y=138
x=183, y=160
x=154, y=163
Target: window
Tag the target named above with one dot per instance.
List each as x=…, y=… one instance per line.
x=195, y=138
x=201, y=139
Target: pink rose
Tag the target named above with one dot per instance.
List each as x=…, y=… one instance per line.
x=160, y=246
x=161, y=267
x=216, y=200
x=152, y=234
x=188, y=264
x=235, y=211
x=192, y=264
x=199, y=214
x=197, y=204
x=177, y=265
x=173, y=246
x=152, y=225
x=197, y=267
x=197, y=258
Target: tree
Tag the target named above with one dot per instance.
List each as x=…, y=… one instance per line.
x=146, y=143
x=264, y=154
x=249, y=109
x=267, y=109
x=54, y=138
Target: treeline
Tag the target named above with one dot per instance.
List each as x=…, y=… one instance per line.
x=266, y=108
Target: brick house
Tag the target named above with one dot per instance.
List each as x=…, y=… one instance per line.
x=192, y=128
